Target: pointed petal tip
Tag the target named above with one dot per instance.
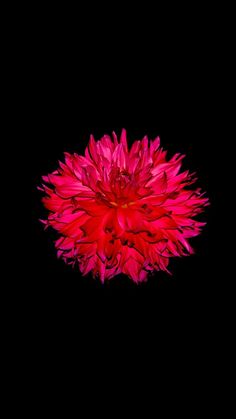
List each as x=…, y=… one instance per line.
x=45, y=178
x=123, y=139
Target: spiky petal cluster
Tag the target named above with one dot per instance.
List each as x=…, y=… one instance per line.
x=120, y=211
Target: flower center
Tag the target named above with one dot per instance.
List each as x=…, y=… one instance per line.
x=122, y=205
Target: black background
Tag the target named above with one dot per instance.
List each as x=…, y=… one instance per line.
x=153, y=73
x=103, y=86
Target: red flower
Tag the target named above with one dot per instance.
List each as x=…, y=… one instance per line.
x=122, y=211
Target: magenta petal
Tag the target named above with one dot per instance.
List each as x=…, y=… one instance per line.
x=123, y=140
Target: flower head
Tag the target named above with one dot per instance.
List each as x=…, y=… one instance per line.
x=122, y=211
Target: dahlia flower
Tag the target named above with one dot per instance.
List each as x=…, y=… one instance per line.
x=122, y=211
